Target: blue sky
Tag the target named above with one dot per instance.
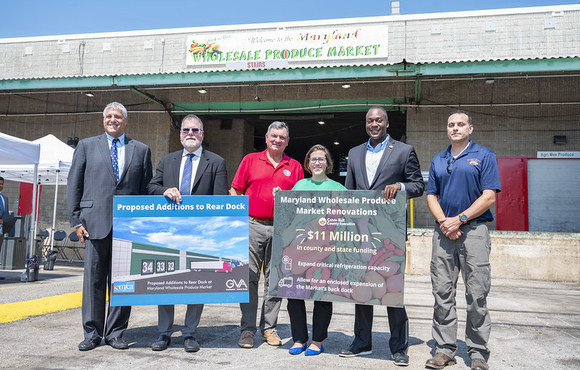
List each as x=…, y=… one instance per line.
x=215, y=236
x=25, y=18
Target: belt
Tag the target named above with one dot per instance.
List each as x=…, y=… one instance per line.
x=476, y=222
x=261, y=221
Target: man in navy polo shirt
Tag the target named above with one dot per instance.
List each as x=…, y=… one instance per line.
x=462, y=184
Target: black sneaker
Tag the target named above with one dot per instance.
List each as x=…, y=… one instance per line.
x=401, y=359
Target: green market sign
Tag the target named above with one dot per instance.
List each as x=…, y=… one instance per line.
x=282, y=47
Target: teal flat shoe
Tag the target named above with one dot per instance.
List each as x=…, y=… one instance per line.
x=297, y=350
x=311, y=352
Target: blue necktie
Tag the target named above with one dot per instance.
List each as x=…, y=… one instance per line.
x=185, y=188
x=1, y=205
x=114, y=158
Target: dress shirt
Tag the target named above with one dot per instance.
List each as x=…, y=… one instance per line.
x=373, y=158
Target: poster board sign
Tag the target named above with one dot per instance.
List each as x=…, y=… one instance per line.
x=339, y=246
x=194, y=252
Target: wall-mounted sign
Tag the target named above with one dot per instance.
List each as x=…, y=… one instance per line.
x=289, y=46
x=561, y=155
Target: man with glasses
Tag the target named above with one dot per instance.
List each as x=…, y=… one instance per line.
x=259, y=176
x=384, y=164
x=103, y=166
x=462, y=184
x=191, y=171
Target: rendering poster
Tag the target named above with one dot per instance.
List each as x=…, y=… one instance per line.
x=339, y=246
x=194, y=252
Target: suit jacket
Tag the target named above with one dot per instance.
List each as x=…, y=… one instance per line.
x=92, y=184
x=210, y=179
x=399, y=163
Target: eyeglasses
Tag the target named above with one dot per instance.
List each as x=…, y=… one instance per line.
x=319, y=160
x=186, y=131
x=450, y=161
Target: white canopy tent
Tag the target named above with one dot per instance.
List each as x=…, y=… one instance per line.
x=15, y=151
x=53, y=167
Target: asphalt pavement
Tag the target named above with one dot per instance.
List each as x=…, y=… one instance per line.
x=535, y=325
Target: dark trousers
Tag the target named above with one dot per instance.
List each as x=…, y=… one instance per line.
x=96, y=281
x=321, y=316
x=398, y=324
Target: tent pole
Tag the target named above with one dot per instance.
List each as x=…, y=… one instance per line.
x=54, y=212
x=32, y=235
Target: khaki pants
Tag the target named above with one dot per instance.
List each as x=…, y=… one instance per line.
x=470, y=255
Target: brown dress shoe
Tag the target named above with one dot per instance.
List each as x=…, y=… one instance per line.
x=439, y=361
x=479, y=364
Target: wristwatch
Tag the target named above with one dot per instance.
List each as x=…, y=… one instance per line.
x=463, y=218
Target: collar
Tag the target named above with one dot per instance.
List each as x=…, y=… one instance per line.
x=196, y=152
x=121, y=138
x=264, y=157
x=470, y=148
x=380, y=147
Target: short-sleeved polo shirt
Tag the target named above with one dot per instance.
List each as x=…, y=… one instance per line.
x=472, y=172
x=256, y=177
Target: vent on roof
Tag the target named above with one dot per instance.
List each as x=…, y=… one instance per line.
x=489, y=26
x=549, y=23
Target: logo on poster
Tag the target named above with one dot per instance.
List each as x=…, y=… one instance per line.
x=124, y=287
x=232, y=284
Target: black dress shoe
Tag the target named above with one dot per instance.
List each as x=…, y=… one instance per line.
x=190, y=344
x=118, y=343
x=354, y=351
x=88, y=344
x=161, y=343
x=401, y=359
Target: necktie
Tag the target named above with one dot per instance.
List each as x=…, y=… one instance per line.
x=185, y=188
x=114, y=158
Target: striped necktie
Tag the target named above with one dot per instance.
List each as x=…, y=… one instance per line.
x=185, y=188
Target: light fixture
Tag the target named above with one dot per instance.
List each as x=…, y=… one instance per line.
x=256, y=97
x=72, y=142
x=345, y=86
x=560, y=139
x=321, y=122
x=202, y=91
x=336, y=142
x=89, y=94
x=489, y=81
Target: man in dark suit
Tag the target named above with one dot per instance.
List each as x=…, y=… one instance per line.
x=103, y=166
x=196, y=171
x=389, y=165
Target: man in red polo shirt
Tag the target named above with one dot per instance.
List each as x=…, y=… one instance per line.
x=259, y=176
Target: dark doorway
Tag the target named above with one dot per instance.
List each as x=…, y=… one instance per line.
x=346, y=129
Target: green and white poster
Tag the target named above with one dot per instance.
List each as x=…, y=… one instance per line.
x=339, y=246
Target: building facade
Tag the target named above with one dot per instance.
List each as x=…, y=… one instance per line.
x=516, y=70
